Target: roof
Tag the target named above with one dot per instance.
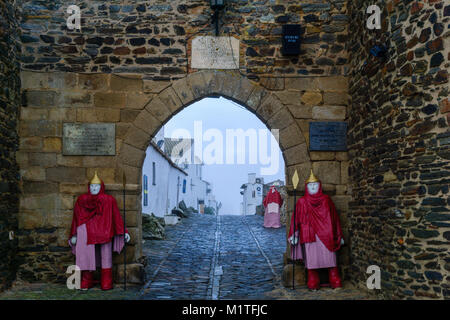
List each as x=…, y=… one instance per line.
x=177, y=146
x=166, y=157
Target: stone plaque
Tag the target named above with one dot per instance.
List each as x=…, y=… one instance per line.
x=89, y=139
x=328, y=136
x=215, y=53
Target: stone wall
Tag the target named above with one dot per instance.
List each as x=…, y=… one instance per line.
x=9, y=139
x=129, y=65
x=399, y=148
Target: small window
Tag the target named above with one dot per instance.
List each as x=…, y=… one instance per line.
x=154, y=174
x=253, y=193
x=184, y=185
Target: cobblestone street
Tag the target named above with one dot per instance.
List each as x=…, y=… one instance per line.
x=225, y=257
x=204, y=257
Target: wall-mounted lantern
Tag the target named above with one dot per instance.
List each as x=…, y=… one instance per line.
x=291, y=39
x=217, y=6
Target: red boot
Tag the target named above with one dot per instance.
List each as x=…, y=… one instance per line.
x=87, y=279
x=106, y=281
x=313, y=279
x=335, y=280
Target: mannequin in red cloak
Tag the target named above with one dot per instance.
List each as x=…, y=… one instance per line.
x=97, y=230
x=272, y=204
x=318, y=224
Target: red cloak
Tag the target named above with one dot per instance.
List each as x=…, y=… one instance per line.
x=316, y=214
x=100, y=214
x=273, y=197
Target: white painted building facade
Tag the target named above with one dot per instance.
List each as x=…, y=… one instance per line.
x=252, y=194
x=168, y=180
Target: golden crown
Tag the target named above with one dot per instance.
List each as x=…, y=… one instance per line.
x=95, y=179
x=312, y=178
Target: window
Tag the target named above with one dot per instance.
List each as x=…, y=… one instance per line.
x=184, y=185
x=154, y=173
x=253, y=193
x=145, y=190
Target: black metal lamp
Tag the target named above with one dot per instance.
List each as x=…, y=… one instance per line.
x=217, y=5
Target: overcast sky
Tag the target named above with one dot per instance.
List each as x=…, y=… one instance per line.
x=222, y=114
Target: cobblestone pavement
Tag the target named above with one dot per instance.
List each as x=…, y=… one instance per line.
x=225, y=257
x=204, y=257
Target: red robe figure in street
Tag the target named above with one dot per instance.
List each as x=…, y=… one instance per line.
x=272, y=204
x=318, y=225
x=97, y=230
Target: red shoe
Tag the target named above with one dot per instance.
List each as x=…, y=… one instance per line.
x=335, y=280
x=313, y=279
x=87, y=279
x=106, y=281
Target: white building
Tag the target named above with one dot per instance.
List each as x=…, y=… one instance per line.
x=252, y=194
x=172, y=176
x=162, y=182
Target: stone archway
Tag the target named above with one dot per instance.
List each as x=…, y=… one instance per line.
x=51, y=181
x=181, y=93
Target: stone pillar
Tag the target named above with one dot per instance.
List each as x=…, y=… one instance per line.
x=9, y=141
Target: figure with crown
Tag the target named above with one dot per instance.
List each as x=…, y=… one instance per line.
x=272, y=204
x=97, y=230
x=316, y=234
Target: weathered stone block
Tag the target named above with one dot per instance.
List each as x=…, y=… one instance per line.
x=329, y=112
x=281, y=119
x=159, y=110
x=301, y=111
x=290, y=97
x=155, y=86
x=269, y=106
x=63, y=114
x=126, y=82
x=33, y=173
x=131, y=155
x=335, y=98
x=33, y=113
x=110, y=99
x=296, y=155
x=147, y=122
x=311, y=98
x=336, y=83
x=138, y=138
x=302, y=84
x=45, y=99
x=66, y=174
x=52, y=144
x=31, y=143
x=69, y=161
x=40, y=128
x=321, y=155
x=328, y=171
x=94, y=81
x=138, y=101
x=290, y=136
x=73, y=188
x=74, y=99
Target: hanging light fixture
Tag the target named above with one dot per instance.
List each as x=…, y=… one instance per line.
x=217, y=5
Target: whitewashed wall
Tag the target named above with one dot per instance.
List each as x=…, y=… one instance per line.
x=163, y=195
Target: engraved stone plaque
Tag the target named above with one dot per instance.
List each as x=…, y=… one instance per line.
x=328, y=136
x=215, y=53
x=89, y=139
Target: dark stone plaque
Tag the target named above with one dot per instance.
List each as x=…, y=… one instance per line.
x=89, y=139
x=328, y=136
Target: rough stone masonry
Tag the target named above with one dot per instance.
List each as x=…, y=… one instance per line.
x=130, y=65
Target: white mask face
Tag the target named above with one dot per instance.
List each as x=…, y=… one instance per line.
x=94, y=189
x=313, y=187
